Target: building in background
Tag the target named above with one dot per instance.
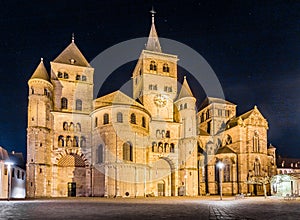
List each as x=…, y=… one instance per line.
x=287, y=180
x=12, y=175
x=151, y=143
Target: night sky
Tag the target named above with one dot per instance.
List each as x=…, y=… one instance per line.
x=252, y=46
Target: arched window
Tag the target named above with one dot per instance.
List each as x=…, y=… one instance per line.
x=78, y=105
x=166, y=68
x=202, y=117
x=153, y=66
x=105, y=119
x=68, y=141
x=160, y=147
x=256, y=167
x=82, y=141
x=61, y=142
x=132, y=118
x=64, y=103
x=226, y=172
x=172, y=148
x=71, y=127
x=76, y=141
x=59, y=74
x=154, y=147
x=32, y=90
x=256, y=142
x=185, y=105
x=119, y=117
x=78, y=127
x=228, y=140
x=65, y=126
x=167, y=148
x=96, y=122
x=143, y=122
x=100, y=154
x=66, y=75
x=127, y=151
x=83, y=78
x=180, y=107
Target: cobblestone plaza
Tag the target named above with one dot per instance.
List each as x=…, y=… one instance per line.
x=152, y=208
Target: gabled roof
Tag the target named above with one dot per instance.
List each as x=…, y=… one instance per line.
x=40, y=72
x=239, y=119
x=210, y=100
x=116, y=98
x=225, y=150
x=72, y=52
x=153, y=41
x=185, y=90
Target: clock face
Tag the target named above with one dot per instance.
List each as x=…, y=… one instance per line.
x=160, y=100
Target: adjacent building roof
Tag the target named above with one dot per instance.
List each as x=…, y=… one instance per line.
x=40, y=72
x=72, y=55
x=18, y=159
x=286, y=162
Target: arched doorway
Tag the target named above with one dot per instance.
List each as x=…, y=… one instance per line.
x=163, y=176
x=71, y=176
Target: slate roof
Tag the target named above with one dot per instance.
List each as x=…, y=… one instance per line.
x=72, y=52
x=153, y=41
x=41, y=72
x=116, y=98
x=185, y=90
x=210, y=100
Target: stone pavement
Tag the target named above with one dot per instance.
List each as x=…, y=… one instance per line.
x=151, y=208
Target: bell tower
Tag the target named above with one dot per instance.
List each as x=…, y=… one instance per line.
x=38, y=131
x=155, y=78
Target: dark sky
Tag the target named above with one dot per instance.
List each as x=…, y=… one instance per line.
x=253, y=47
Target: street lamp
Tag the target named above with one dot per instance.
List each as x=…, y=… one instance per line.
x=220, y=165
x=9, y=164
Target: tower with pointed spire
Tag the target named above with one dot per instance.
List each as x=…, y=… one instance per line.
x=155, y=78
x=38, y=131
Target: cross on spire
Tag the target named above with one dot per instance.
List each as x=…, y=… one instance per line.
x=73, y=37
x=152, y=13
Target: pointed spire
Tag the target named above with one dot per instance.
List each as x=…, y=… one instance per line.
x=153, y=41
x=185, y=90
x=40, y=72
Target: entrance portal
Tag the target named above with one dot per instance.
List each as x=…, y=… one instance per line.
x=161, y=189
x=71, y=189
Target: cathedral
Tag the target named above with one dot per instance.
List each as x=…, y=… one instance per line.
x=152, y=143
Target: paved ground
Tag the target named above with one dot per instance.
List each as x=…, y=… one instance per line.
x=152, y=208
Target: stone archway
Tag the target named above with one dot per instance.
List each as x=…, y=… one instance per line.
x=163, y=176
x=71, y=171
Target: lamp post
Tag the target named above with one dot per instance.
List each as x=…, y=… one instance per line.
x=9, y=164
x=220, y=165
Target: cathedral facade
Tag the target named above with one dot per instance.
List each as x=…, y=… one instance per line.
x=154, y=143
